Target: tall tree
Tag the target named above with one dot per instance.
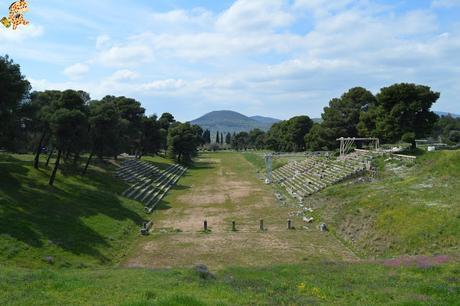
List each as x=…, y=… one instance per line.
x=131, y=113
x=298, y=127
x=240, y=141
x=151, y=136
x=228, y=139
x=289, y=135
x=104, y=130
x=341, y=117
x=68, y=126
x=165, y=121
x=257, y=139
x=405, y=108
x=217, y=137
x=42, y=105
x=183, y=141
x=14, y=88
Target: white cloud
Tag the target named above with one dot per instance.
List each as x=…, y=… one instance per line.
x=76, y=71
x=124, y=75
x=255, y=16
x=102, y=41
x=169, y=84
x=251, y=57
x=323, y=7
x=181, y=20
x=21, y=34
x=127, y=55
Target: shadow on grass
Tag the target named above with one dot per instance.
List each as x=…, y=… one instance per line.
x=163, y=205
x=33, y=212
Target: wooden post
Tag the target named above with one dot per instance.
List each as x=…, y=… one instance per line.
x=289, y=224
x=233, y=226
x=262, y=225
x=205, y=225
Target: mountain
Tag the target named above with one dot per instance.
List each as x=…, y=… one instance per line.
x=317, y=120
x=443, y=114
x=265, y=120
x=229, y=122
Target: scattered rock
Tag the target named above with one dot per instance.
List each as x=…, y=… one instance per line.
x=203, y=272
x=49, y=260
x=308, y=220
x=323, y=227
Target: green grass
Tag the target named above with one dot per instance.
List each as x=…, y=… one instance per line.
x=312, y=283
x=411, y=209
x=81, y=221
x=89, y=230
x=257, y=160
x=159, y=161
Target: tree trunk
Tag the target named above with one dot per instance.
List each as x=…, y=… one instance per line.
x=39, y=150
x=414, y=145
x=87, y=162
x=56, y=166
x=49, y=157
x=75, y=158
x=141, y=154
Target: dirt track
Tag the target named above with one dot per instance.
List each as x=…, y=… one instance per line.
x=221, y=189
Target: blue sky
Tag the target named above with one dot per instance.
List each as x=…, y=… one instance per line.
x=274, y=58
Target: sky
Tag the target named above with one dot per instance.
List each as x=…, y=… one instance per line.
x=277, y=58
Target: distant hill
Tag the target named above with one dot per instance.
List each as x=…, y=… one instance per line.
x=317, y=120
x=265, y=120
x=229, y=122
x=443, y=114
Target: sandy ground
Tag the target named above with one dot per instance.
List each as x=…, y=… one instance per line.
x=226, y=190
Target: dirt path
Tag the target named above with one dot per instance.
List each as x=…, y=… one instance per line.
x=221, y=188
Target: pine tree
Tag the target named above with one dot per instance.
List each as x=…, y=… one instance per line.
x=228, y=138
x=217, y=137
x=207, y=137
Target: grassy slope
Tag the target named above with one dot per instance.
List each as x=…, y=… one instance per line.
x=415, y=211
x=89, y=225
x=81, y=221
x=257, y=160
x=313, y=283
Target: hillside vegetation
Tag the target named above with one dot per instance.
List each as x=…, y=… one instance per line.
x=312, y=283
x=407, y=210
x=80, y=222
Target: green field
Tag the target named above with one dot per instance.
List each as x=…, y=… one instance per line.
x=79, y=243
x=311, y=283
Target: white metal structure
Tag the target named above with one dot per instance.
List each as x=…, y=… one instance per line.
x=268, y=165
x=347, y=143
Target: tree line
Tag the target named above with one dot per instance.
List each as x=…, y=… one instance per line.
x=400, y=112
x=70, y=124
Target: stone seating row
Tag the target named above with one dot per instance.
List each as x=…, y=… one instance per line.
x=302, y=179
x=136, y=170
x=149, y=184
